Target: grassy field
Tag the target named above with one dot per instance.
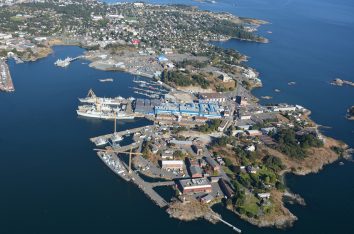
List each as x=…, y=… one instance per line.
x=250, y=205
x=16, y=18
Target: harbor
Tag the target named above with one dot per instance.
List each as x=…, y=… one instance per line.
x=6, y=84
x=63, y=182
x=111, y=150
x=97, y=181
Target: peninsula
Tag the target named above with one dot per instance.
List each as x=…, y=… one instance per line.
x=211, y=141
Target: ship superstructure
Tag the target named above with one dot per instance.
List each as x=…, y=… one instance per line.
x=105, y=108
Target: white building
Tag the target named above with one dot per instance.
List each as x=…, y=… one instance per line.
x=172, y=164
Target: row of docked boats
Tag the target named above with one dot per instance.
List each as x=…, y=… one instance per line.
x=148, y=89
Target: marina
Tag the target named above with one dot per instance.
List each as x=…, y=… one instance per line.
x=149, y=89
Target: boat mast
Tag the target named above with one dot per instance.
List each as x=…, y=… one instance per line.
x=115, y=122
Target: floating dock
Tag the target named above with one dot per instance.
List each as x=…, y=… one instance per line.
x=6, y=84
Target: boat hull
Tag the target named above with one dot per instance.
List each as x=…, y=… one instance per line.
x=102, y=116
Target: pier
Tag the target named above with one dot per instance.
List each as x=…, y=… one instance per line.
x=147, y=188
x=228, y=224
x=125, y=148
x=121, y=133
x=6, y=84
x=163, y=183
x=121, y=169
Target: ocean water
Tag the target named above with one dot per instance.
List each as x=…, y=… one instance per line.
x=52, y=181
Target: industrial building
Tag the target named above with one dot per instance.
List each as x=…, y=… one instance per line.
x=201, y=185
x=207, y=110
x=172, y=164
x=226, y=188
x=196, y=171
x=212, y=97
x=146, y=106
x=213, y=164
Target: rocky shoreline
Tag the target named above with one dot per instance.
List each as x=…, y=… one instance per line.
x=283, y=218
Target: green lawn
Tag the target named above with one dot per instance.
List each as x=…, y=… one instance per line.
x=16, y=18
x=250, y=205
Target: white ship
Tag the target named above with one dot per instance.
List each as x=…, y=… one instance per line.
x=63, y=63
x=105, y=101
x=103, y=108
x=93, y=99
x=106, y=80
x=102, y=112
x=102, y=115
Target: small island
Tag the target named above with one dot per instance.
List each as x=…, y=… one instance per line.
x=350, y=113
x=340, y=82
x=210, y=141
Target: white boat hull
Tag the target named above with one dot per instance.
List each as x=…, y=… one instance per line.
x=103, y=116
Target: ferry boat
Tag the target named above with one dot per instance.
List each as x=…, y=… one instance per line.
x=106, y=80
x=63, y=63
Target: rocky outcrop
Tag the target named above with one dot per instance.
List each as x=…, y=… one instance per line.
x=340, y=82
x=191, y=210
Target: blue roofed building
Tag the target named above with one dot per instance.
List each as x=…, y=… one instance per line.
x=209, y=110
x=190, y=109
x=167, y=108
x=162, y=58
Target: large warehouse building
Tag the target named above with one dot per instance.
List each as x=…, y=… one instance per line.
x=201, y=185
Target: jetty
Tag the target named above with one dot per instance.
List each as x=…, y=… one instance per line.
x=163, y=183
x=228, y=224
x=6, y=83
x=121, y=133
x=147, y=188
x=120, y=168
